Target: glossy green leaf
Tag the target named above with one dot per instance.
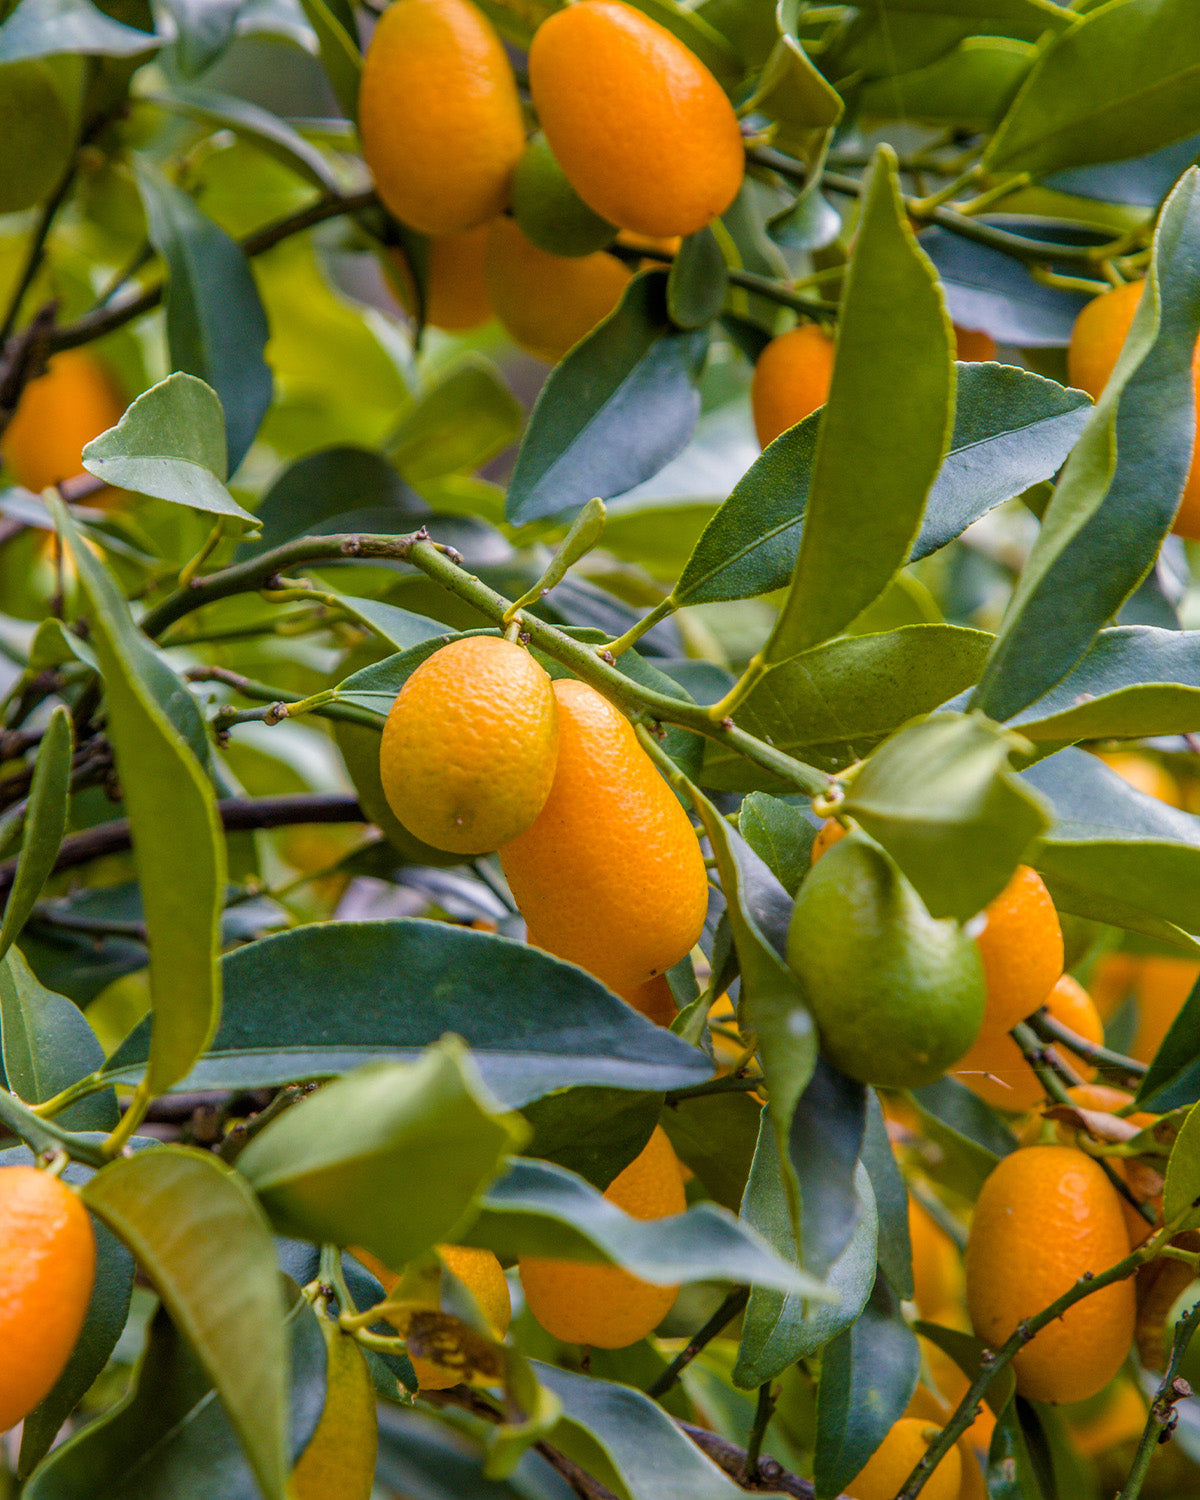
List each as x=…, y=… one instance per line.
x=1011, y=429
x=868, y=1374
x=539, y=1209
x=250, y=121
x=617, y=409
x=398, y=628
x=891, y=1200
x=41, y=28
x=1141, y=63
x=45, y=824
x=403, y=984
x=629, y=1443
x=179, y=845
x=333, y=22
x=883, y=431
x=782, y=1327
x=170, y=444
x=1120, y=487
x=942, y=799
x=836, y=703
x=169, y=1436
x=1182, y=1191
x=388, y=1157
x=780, y=835
x=1134, y=682
x=48, y=1045
x=794, y=93
x=1113, y=853
x=824, y=1146
x=460, y=422
x=216, y=326
x=171, y=1206
x=697, y=281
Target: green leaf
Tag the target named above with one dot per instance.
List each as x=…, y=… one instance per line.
x=969, y=1136
x=884, y=430
x=1120, y=487
x=868, y=1375
x=170, y=444
x=628, y=1442
x=179, y=845
x=45, y=824
x=1134, y=682
x=333, y=22
x=780, y=835
x=1122, y=83
x=1011, y=429
x=196, y=1230
x=618, y=408
x=41, y=28
x=1173, y=1077
x=216, y=326
x=168, y=1436
x=1113, y=853
x=969, y=1353
x=891, y=1200
x=1012, y=1473
x=715, y=1135
x=461, y=421
x=389, y=1157
x=970, y=86
x=403, y=984
x=594, y=1132
x=836, y=703
x=398, y=628
x=697, y=281
x=48, y=1045
x=205, y=29
x=1020, y=18
x=539, y=1209
x=259, y=126
x=781, y=1327
x=942, y=799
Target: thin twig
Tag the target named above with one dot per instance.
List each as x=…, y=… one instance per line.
x=1050, y=1029
x=723, y=1316
x=1161, y=1418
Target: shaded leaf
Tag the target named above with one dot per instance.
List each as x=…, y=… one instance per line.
x=891, y=1200
x=41, y=28
x=780, y=835
x=715, y=1135
x=1173, y=1077
x=333, y=22
x=970, y=1137
x=45, y=824
x=697, y=281
x=459, y=422
x=250, y=121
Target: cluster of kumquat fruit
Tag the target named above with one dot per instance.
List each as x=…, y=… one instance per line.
x=520, y=221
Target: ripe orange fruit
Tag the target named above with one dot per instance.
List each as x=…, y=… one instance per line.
x=995, y=1067
x=642, y=129
x=546, y=302
x=827, y=835
x=654, y=999
x=791, y=379
x=937, y=1268
x=439, y=115
x=47, y=1267
x=894, y=1460
x=482, y=1275
x=1096, y=341
x=1022, y=951
x=468, y=749
x=973, y=344
x=1045, y=1216
x=456, y=297
x=609, y=875
x=1163, y=983
x=61, y=411
x=606, y=1306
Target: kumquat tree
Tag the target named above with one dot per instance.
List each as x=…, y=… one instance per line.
x=599, y=762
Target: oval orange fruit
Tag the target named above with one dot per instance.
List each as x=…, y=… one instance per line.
x=1022, y=950
x=791, y=380
x=995, y=1067
x=896, y=1457
x=1046, y=1216
x=468, y=750
x=456, y=296
x=58, y=413
x=640, y=126
x=439, y=115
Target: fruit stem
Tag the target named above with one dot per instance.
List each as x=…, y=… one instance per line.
x=636, y=631
x=135, y=1113
x=964, y=1413
x=737, y=694
x=724, y=1315
x=191, y=568
x=1161, y=1418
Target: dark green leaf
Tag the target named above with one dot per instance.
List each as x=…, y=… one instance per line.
x=697, y=281
x=226, y=111
x=333, y=22
x=1121, y=486
x=780, y=1328
x=171, y=1206
x=421, y=1456
x=388, y=1157
x=1182, y=1190
x=868, y=1374
x=1011, y=1472
x=45, y=824
x=715, y=1135
x=824, y=1145
x=593, y=1132
x=969, y=1136
x=170, y=1437
x=48, y=1045
x=1141, y=63
x=216, y=326
x=780, y=835
x=942, y=800
x=41, y=28
x=538, y=1209
x=179, y=845
x=884, y=430
x=170, y=444
x=1173, y=1077
x=403, y=984
x=205, y=29
x=967, y=1353
x=619, y=406
x=891, y=1200
x=836, y=703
